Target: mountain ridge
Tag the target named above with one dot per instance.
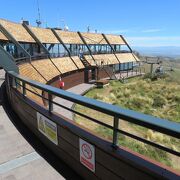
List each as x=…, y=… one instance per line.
x=166, y=51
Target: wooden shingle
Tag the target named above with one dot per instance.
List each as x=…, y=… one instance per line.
x=2, y=36
x=64, y=64
x=28, y=71
x=94, y=38
x=69, y=37
x=44, y=35
x=46, y=67
x=17, y=31
x=78, y=62
x=126, y=57
x=105, y=59
x=90, y=60
x=114, y=39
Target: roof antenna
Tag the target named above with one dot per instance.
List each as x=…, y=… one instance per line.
x=38, y=21
x=88, y=29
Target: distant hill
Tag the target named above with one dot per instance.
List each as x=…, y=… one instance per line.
x=166, y=51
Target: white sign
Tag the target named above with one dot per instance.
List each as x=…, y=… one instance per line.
x=47, y=127
x=87, y=154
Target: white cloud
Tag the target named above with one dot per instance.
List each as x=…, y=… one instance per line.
x=132, y=30
x=154, y=41
x=118, y=31
x=149, y=38
x=151, y=30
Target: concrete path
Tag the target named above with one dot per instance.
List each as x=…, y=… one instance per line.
x=79, y=89
x=18, y=160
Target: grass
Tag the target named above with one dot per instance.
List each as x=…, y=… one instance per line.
x=159, y=98
x=137, y=146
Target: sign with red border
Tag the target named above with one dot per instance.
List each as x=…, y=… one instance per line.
x=87, y=154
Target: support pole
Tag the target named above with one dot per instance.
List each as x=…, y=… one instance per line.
x=115, y=132
x=50, y=102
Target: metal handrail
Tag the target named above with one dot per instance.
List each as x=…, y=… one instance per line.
x=157, y=124
x=161, y=125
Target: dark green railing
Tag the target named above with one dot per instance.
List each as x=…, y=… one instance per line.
x=160, y=125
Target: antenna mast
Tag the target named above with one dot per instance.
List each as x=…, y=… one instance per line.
x=38, y=21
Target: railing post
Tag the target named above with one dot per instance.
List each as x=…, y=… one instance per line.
x=13, y=82
x=115, y=132
x=50, y=102
x=24, y=88
x=8, y=85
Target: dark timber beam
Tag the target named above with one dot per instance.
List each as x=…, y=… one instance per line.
x=50, y=47
x=35, y=38
x=126, y=43
x=104, y=36
x=65, y=47
x=40, y=44
x=61, y=42
x=11, y=38
x=128, y=47
x=84, y=41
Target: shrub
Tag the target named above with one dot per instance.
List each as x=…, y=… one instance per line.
x=140, y=101
x=159, y=101
x=112, y=96
x=107, y=100
x=127, y=92
x=98, y=96
x=147, y=76
x=155, y=76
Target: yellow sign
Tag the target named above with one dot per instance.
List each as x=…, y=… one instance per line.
x=47, y=127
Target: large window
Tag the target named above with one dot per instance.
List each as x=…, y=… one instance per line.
x=56, y=50
x=121, y=48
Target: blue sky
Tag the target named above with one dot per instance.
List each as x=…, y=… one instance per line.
x=142, y=22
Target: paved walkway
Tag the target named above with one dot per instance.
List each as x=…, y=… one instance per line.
x=18, y=160
x=79, y=89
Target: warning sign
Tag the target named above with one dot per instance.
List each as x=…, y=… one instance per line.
x=47, y=127
x=87, y=154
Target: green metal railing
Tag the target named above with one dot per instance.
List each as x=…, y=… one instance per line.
x=160, y=125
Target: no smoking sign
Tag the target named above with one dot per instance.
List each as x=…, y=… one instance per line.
x=87, y=154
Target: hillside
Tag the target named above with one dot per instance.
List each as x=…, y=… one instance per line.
x=164, y=51
x=160, y=98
